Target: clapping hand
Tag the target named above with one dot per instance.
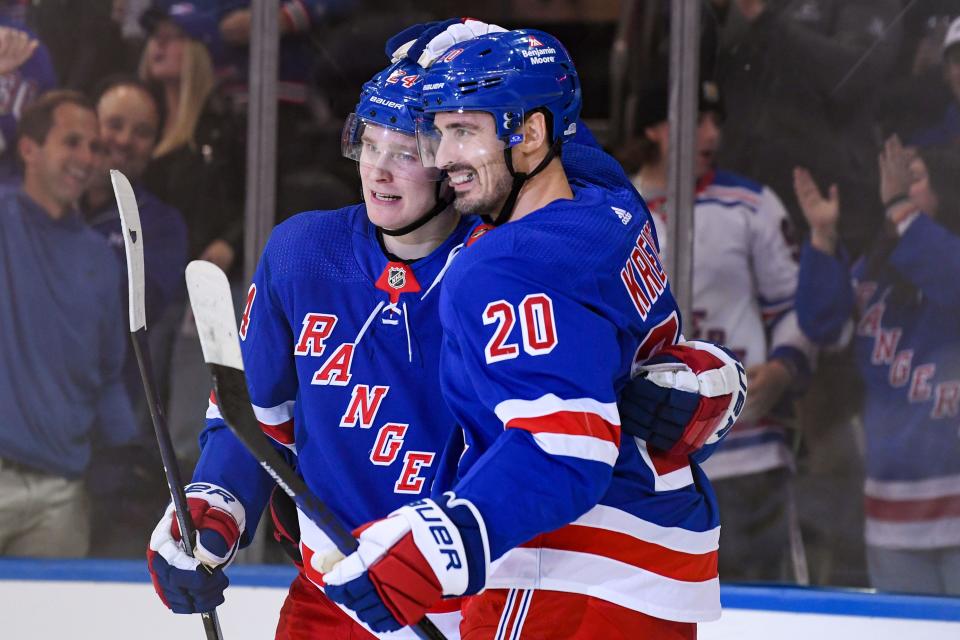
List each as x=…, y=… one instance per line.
x=895, y=176
x=822, y=213
x=895, y=180
x=16, y=47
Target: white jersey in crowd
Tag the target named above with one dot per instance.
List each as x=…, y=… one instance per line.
x=744, y=281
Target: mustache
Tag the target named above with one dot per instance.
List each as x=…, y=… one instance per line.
x=459, y=167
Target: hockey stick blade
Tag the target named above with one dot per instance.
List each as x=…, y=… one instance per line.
x=133, y=247
x=212, y=306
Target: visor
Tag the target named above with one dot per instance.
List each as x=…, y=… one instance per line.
x=376, y=146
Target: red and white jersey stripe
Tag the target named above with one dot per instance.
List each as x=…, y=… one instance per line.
x=276, y=422
x=665, y=572
x=920, y=514
x=580, y=427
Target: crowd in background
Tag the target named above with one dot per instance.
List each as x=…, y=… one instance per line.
x=826, y=224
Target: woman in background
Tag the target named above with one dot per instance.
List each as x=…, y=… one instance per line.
x=198, y=164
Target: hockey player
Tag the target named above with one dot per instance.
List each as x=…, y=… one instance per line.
x=340, y=340
x=568, y=529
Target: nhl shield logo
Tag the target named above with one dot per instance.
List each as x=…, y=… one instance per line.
x=397, y=277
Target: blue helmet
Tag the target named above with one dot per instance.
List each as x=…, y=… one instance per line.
x=508, y=75
x=390, y=99
x=390, y=104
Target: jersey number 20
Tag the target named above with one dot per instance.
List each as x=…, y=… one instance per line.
x=537, y=327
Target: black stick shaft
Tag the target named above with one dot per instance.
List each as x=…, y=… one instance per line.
x=234, y=402
x=188, y=534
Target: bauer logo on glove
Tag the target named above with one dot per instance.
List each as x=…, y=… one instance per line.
x=686, y=396
x=178, y=579
x=408, y=561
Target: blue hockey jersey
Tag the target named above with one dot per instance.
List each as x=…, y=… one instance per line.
x=333, y=337
x=544, y=320
x=908, y=353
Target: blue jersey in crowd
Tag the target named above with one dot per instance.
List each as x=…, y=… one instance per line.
x=296, y=55
x=164, y=258
x=62, y=340
x=19, y=88
x=164, y=248
x=907, y=347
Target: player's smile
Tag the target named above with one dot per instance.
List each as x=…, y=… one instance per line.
x=462, y=180
x=386, y=198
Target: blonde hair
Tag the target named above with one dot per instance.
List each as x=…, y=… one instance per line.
x=196, y=83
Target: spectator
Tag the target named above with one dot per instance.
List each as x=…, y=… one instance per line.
x=25, y=72
x=61, y=24
x=63, y=289
x=798, y=77
x=947, y=130
x=129, y=118
x=914, y=94
x=198, y=164
x=744, y=278
x=899, y=304
x=198, y=168
x=303, y=178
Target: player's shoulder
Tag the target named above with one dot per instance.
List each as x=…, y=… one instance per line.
x=572, y=237
x=317, y=242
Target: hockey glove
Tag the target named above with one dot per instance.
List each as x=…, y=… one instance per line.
x=686, y=396
x=408, y=561
x=427, y=42
x=182, y=584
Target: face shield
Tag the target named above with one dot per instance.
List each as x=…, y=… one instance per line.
x=381, y=148
x=452, y=138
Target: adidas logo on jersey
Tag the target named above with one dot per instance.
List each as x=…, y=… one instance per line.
x=624, y=215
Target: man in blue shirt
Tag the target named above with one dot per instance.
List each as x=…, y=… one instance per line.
x=62, y=342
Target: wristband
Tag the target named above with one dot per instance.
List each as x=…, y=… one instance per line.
x=895, y=200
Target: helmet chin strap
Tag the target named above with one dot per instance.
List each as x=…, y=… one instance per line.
x=520, y=178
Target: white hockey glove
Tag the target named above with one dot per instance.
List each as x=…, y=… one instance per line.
x=408, y=561
x=686, y=396
x=182, y=584
x=428, y=42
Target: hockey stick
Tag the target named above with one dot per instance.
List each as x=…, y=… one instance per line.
x=133, y=246
x=217, y=327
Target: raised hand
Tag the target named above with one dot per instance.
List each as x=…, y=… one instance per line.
x=16, y=47
x=822, y=213
x=895, y=177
